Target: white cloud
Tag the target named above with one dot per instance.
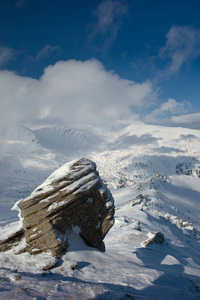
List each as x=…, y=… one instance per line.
x=15, y=104
x=173, y=106
x=73, y=92
x=189, y=120
x=162, y=115
x=6, y=54
x=84, y=93
x=182, y=46
x=172, y=113
x=109, y=15
x=45, y=52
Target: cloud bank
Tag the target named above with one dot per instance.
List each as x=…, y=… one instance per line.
x=173, y=113
x=79, y=93
x=187, y=120
x=162, y=114
x=73, y=92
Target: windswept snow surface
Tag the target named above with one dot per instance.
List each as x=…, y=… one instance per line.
x=153, y=173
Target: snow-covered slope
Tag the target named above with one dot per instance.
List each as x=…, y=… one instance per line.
x=28, y=156
x=154, y=175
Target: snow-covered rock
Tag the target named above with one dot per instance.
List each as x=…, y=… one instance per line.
x=74, y=196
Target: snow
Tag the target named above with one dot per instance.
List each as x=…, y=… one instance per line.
x=17, y=208
x=9, y=229
x=46, y=185
x=56, y=204
x=152, y=172
x=64, y=170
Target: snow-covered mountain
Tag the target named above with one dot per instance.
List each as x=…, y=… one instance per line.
x=153, y=173
x=28, y=156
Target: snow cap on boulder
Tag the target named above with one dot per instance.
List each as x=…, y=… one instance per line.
x=72, y=196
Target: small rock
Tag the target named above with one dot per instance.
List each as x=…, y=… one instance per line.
x=140, y=196
x=74, y=266
x=50, y=265
x=18, y=277
x=136, y=202
x=154, y=238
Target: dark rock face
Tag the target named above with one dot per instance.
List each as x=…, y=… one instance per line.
x=73, y=196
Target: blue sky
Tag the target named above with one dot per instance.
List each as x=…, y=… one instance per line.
x=153, y=45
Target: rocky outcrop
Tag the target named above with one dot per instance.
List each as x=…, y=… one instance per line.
x=72, y=197
x=154, y=238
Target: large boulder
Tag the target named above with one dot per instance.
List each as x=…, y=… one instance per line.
x=74, y=196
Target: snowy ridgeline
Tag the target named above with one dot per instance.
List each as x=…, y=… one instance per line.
x=153, y=173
